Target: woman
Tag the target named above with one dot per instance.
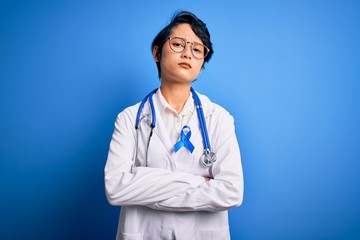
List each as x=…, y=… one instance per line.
x=157, y=169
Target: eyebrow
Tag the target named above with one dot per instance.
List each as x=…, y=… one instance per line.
x=188, y=41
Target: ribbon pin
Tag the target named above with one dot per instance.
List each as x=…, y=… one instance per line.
x=184, y=140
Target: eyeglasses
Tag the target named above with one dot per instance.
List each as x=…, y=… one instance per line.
x=178, y=45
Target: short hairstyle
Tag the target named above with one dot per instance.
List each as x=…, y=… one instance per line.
x=198, y=26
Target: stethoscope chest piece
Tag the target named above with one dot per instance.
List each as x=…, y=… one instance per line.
x=208, y=158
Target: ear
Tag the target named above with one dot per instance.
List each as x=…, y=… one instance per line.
x=156, y=55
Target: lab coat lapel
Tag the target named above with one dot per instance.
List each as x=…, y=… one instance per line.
x=195, y=128
x=196, y=135
x=159, y=130
x=161, y=133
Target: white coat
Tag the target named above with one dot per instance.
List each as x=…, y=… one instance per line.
x=166, y=196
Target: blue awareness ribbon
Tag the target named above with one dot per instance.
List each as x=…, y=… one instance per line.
x=184, y=140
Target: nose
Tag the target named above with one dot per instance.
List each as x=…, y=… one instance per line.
x=187, y=51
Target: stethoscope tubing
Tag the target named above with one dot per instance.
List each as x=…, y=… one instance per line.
x=153, y=119
x=202, y=122
x=199, y=110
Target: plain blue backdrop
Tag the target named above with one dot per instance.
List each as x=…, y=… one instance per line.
x=288, y=71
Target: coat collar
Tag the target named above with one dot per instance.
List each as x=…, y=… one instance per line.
x=207, y=106
x=205, y=101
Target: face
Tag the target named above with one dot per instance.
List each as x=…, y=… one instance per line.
x=179, y=67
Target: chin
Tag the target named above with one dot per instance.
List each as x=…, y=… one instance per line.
x=180, y=78
x=187, y=78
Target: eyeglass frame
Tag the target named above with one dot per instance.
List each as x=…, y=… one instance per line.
x=192, y=44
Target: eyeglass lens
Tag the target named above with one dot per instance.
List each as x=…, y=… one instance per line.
x=178, y=45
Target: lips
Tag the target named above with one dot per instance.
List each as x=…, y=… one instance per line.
x=185, y=65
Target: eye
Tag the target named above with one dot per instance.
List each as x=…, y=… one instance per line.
x=177, y=43
x=198, y=48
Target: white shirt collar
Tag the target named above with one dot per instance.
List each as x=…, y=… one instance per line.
x=163, y=105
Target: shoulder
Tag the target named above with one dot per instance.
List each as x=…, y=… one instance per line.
x=212, y=109
x=128, y=115
x=130, y=110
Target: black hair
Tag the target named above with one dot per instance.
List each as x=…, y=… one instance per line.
x=198, y=26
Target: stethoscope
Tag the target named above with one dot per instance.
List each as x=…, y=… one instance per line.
x=208, y=157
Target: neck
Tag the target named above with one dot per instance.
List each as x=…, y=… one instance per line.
x=176, y=95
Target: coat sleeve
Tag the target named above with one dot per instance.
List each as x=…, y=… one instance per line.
x=225, y=190
x=144, y=185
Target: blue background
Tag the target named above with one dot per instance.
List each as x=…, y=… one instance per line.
x=288, y=71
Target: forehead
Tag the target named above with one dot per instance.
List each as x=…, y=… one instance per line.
x=184, y=30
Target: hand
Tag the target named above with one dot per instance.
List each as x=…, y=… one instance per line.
x=207, y=179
